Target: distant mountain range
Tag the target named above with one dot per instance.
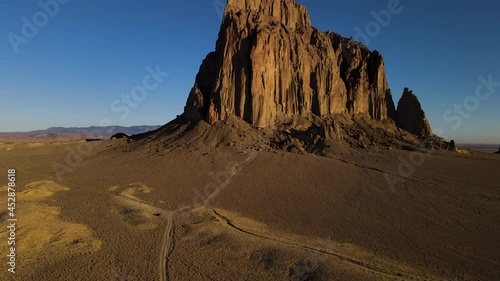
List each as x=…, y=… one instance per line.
x=95, y=130
x=75, y=133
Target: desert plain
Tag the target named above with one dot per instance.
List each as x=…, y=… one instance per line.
x=127, y=211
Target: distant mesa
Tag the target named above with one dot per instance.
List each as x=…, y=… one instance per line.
x=100, y=131
x=89, y=134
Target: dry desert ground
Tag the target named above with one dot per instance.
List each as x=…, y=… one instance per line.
x=125, y=212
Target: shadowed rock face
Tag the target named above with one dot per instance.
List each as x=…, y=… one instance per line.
x=411, y=117
x=270, y=62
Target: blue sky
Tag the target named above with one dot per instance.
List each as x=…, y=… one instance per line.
x=92, y=52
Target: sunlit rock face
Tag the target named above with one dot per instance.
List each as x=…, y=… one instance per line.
x=270, y=62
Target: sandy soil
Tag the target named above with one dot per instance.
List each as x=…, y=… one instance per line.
x=280, y=215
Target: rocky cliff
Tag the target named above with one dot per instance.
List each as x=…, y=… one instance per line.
x=411, y=117
x=271, y=65
x=270, y=62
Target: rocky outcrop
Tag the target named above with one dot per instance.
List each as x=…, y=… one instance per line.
x=119, y=136
x=411, y=117
x=498, y=152
x=269, y=62
x=453, y=146
x=363, y=74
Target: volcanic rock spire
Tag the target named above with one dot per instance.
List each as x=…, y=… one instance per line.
x=270, y=63
x=411, y=117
